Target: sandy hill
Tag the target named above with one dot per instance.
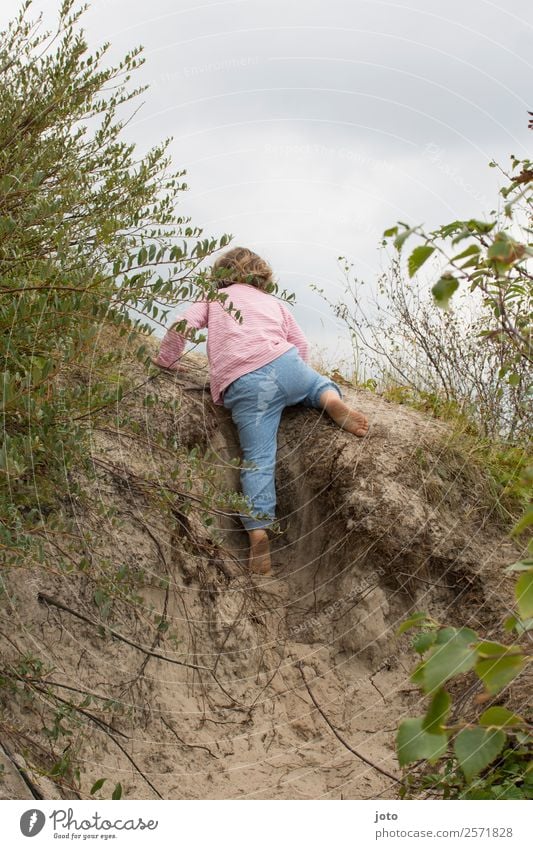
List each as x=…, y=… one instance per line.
x=196, y=682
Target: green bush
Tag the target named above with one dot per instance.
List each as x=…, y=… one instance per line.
x=488, y=756
x=93, y=252
x=90, y=236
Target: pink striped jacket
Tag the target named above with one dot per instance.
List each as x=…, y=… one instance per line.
x=267, y=330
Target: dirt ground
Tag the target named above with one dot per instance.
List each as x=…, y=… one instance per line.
x=284, y=688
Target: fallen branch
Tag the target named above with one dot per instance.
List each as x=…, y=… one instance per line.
x=34, y=790
x=48, y=682
x=158, y=633
x=339, y=737
x=110, y=731
x=188, y=745
x=148, y=484
x=43, y=598
x=79, y=709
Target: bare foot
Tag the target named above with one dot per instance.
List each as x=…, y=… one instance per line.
x=259, y=560
x=350, y=420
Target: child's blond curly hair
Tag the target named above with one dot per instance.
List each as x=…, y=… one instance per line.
x=241, y=265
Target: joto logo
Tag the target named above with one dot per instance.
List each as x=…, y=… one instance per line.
x=31, y=822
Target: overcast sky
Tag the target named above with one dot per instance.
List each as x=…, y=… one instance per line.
x=309, y=126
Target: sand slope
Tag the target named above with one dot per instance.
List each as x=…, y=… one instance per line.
x=372, y=529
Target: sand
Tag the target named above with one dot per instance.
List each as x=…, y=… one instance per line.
x=372, y=529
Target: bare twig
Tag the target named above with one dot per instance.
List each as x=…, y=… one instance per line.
x=43, y=598
x=110, y=731
x=188, y=745
x=338, y=735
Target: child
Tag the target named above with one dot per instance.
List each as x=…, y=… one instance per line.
x=257, y=368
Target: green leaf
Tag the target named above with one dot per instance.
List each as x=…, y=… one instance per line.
x=524, y=522
x=424, y=641
x=490, y=648
x=416, y=619
x=524, y=625
x=480, y=226
x=443, y=290
x=469, y=251
x=496, y=672
x=417, y=676
x=451, y=656
x=97, y=785
x=117, y=792
x=465, y=635
x=401, y=237
x=418, y=258
x=476, y=748
x=524, y=594
x=414, y=743
x=520, y=566
x=505, y=250
x=437, y=712
x=500, y=717
x=507, y=791
x=392, y=231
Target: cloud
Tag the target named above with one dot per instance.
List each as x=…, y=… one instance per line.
x=307, y=128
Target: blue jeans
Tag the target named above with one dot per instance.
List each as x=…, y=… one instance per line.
x=257, y=400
